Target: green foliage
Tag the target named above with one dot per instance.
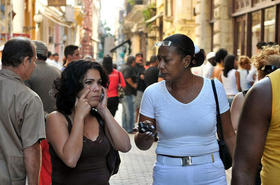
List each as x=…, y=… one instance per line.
x=149, y=11
x=131, y=2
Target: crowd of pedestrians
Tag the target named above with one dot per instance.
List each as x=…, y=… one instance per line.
x=57, y=121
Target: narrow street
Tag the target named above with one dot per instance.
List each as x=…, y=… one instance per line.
x=136, y=165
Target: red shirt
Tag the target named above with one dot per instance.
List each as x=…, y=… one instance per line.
x=46, y=167
x=114, y=81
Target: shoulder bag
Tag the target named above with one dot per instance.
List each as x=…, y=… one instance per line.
x=120, y=89
x=223, y=150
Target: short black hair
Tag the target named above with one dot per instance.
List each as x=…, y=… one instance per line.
x=15, y=50
x=108, y=64
x=55, y=54
x=261, y=44
x=229, y=64
x=70, y=84
x=220, y=55
x=130, y=60
x=49, y=54
x=139, y=54
x=41, y=57
x=69, y=50
x=153, y=59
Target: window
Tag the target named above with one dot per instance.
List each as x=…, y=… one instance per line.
x=240, y=35
x=256, y=30
x=269, y=24
x=169, y=8
x=212, y=8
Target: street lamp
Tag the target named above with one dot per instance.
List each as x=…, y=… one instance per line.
x=38, y=18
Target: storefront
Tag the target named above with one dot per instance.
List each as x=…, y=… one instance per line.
x=254, y=21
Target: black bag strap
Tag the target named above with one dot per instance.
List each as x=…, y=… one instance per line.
x=218, y=116
x=119, y=78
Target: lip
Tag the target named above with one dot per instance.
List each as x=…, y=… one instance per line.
x=94, y=97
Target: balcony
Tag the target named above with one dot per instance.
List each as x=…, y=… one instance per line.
x=131, y=3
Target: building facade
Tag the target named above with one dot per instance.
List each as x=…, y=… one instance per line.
x=237, y=25
x=150, y=21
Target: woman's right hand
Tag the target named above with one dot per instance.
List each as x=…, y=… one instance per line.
x=82, y=107
x=147, y=129
x=145, y=140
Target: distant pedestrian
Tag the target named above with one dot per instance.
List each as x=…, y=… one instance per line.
x=115, y=80
x=71, y=53
x=182, y=109
x=42, y=78
x=129, y=74
x=56, y=60
x=141, y=86
x=219, y=67
x=230, y=77
x=22, y=123
x=208, y=68
x=151, y=74
x=244, y=64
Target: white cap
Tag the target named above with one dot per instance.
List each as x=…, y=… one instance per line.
x=210, y=55
x=196, y=49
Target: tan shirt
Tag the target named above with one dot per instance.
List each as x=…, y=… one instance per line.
x=21, y=125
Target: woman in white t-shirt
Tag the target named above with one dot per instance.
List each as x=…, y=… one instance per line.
x=182, y=109
x=230, y=78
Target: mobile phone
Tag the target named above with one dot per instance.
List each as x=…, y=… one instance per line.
x=102, y=95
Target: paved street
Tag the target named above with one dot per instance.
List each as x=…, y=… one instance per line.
x=136, y=166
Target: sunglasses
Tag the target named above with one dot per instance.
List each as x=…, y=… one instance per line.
x=163, y=43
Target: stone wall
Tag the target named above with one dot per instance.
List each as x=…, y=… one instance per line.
x=222, y=22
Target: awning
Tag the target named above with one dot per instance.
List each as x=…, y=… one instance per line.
x=121, y=44
x=154, y=18
x=55, y=17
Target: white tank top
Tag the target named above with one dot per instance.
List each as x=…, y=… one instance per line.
x=229, y=83
x=244, y=83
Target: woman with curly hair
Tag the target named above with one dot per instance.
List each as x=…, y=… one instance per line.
x=244, y=68
x=79, y=143
x=266, y=61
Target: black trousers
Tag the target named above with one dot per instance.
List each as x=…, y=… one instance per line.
x=113, y=104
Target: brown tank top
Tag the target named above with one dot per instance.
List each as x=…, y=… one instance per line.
x=91, y=169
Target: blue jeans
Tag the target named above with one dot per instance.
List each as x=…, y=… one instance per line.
x=128, y=112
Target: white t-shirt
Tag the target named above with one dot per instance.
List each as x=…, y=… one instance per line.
x=184, y=129
x=208, y=70
x=244, y=83
x=229, y=83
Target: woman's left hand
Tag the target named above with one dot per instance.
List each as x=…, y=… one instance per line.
x=102, y=106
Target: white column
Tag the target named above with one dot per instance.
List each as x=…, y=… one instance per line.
x=18, y=21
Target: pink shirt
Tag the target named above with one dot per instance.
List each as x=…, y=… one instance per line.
x=114, y=81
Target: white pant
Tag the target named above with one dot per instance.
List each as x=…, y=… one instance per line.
x=211, y=173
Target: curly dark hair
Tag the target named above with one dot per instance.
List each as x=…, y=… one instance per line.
x=70, y=84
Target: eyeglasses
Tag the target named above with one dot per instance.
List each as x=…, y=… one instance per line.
x=163, y=43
